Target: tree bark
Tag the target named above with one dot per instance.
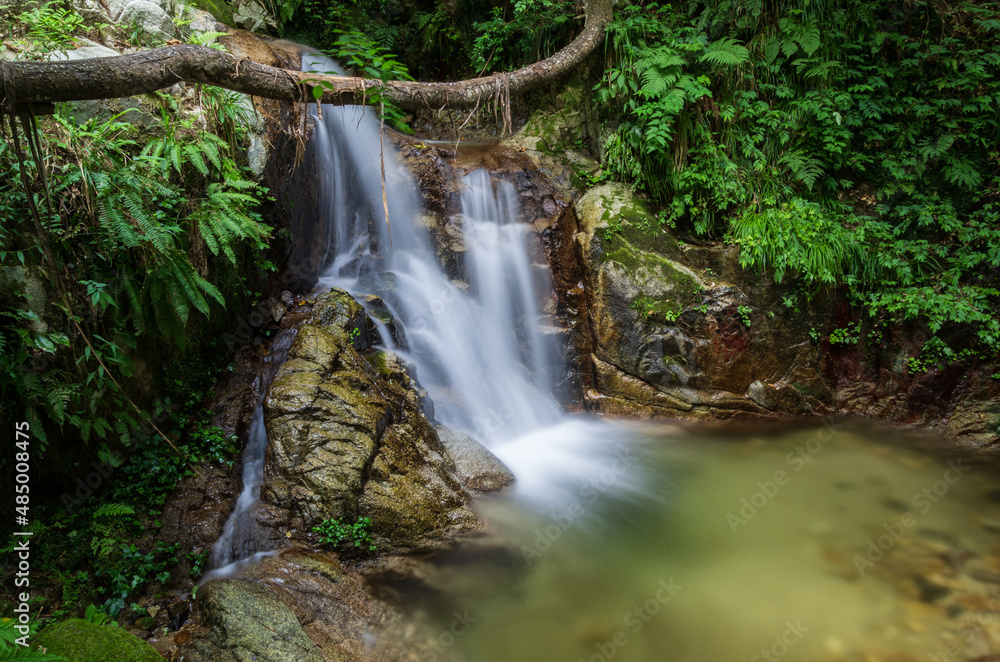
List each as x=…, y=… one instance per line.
x=148, y=71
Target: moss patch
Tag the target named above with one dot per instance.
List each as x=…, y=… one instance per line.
x=222, y=12
x=666, y=287
x=80, y=641
x=629, y=219
x=559, y=126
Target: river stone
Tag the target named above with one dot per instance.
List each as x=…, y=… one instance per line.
x=477, y=468
x=249, y=622
x=81, y=641
x=150, y=17
x=200, y=21
x=87, y=52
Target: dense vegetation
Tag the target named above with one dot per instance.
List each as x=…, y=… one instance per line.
x=848, y=144
x=127, y=229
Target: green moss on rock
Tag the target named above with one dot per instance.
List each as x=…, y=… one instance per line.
x=666, y=287
x=222, y=12
x=80, y=641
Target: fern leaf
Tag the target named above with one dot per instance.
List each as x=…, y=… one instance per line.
x=114, y=510
x=195, y=157
x=725, y=52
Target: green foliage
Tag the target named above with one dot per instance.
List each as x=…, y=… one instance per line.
x=341, y=535
x=848, y=335
x=520, y=33
x=744, y=312
x=198, y=562
x=835, y=143
x=657, y=310
x=10, y=650
x=142, y=217
x=800, y=237
x=51, y=26
x=209, y=443
x=128, y=569
x=361, y=56
x=94, y=615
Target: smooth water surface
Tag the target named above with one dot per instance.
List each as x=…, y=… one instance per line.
x=816, y=543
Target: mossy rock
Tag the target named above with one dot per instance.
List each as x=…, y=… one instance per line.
x=81, y=641
x=222, y=12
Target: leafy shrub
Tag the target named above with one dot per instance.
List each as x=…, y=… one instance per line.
x=343, y=536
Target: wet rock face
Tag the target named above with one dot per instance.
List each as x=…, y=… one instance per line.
x=683, y=332
x=347, y=436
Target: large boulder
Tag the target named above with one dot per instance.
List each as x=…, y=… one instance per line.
x=149, y=18
x=247, y=621
x=81, y=641
x=681, y=330
x=348, y=436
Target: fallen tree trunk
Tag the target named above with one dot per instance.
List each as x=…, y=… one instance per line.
x=159, y=68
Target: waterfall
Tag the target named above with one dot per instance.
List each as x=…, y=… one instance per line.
x=481, y=354
x=239, y=537
x=467, y=347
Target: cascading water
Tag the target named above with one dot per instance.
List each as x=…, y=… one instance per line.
x=482, y=355
x=238, y=539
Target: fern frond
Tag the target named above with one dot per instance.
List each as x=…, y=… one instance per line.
x=725, y=52
x=114, y=510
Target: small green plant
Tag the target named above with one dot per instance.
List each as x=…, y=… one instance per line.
x=657, y=310
x=97, y=616
x=614, y=227
x=198, y=562
x=129, y=569
x=340, y=535
x=744, y=312
x=815, y=335
x=210, y=443
x=849, y=335
x=52, y=26
x=935, y=353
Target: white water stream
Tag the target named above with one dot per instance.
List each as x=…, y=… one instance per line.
x=482, y=354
